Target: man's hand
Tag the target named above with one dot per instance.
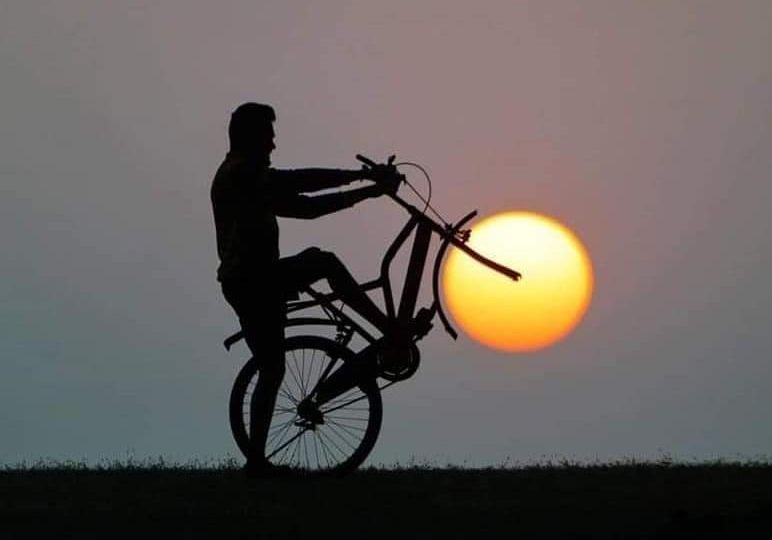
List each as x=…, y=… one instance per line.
x=389, y=182
x=385, y=175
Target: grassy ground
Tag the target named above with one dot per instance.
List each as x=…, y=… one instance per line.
x=613, y=501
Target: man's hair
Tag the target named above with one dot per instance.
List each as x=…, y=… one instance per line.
x=248, y=122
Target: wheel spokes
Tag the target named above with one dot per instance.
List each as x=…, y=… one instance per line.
x=303, y=442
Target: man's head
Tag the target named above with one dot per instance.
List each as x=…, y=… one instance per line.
x=251, y=131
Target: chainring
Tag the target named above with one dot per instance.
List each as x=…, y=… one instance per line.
x=398, y=364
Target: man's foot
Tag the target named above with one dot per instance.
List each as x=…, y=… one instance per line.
x=406, y=332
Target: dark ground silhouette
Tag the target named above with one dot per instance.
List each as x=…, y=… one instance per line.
x=621, y=501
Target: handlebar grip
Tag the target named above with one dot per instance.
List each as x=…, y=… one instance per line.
x=367, y=161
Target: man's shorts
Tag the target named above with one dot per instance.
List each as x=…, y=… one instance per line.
x=259, y=300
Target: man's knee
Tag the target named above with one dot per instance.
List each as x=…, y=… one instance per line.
x=319, y=257
x=320, y=264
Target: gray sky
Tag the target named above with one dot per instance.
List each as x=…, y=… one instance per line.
x=644, y=126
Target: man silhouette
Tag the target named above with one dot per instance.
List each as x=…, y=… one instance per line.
x=247, y=196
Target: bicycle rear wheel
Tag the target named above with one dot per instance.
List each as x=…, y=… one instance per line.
x=350, y=423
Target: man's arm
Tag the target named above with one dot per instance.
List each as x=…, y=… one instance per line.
x=302, y=207
x=309, y=180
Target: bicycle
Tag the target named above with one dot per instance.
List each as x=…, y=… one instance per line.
x=329, y=408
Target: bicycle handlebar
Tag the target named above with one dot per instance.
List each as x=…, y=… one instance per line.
x=447, y=233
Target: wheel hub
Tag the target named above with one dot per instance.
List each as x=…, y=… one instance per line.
x=309, y=415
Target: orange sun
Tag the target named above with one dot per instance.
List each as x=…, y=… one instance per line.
x=535, y=312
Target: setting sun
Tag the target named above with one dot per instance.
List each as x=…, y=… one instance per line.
x=540, y=309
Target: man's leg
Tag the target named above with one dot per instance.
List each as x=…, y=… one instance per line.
x=265, y=339
x=260, y=309
x=314, y=264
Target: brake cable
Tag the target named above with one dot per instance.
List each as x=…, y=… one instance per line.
x=463, y=235
x=428, y=182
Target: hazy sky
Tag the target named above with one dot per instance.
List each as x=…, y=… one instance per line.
x=644, y=126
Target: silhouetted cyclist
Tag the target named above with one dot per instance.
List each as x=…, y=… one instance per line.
x=247, y=196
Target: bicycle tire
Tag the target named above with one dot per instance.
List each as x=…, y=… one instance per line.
x=342, y=442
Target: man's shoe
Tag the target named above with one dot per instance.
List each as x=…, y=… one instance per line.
x=405, y=333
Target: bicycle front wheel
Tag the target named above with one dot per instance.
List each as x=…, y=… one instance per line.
x=349, y=425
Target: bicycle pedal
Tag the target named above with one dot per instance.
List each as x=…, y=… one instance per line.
x=423, y=322
x=307, y=424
